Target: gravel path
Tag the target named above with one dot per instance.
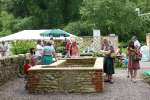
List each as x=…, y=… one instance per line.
x=122, y=89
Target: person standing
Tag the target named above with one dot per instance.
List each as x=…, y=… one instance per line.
x=68, y=48
x=74, y=50
x=48, y=53
x=108, y=50
x=3, y=48
x=133, y=64
x=136, y=42
x=39, y=51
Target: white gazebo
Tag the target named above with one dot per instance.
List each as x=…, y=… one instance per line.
x=30, y=35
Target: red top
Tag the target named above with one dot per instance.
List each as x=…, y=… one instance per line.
x=68, y=45
x=26, y=67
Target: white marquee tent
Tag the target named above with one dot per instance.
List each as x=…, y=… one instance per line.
x=29, y=35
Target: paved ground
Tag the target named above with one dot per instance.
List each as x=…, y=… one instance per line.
x=122, y=89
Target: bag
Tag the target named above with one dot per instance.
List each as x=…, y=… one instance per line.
x=137, y=57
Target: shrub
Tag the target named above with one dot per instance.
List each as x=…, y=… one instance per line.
x=79, y=28
x=96, y=54
x=60, y=49
x=21, y=47
x=119, y=64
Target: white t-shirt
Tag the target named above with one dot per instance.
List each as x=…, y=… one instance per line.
x=4, y=47
x=39, y=50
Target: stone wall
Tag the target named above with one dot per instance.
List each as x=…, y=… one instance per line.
x=8, y=67
x=43, y=79
x=65, y=81
x=87, y=42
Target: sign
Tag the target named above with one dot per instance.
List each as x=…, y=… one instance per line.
x=96, y=45
x=96, y=33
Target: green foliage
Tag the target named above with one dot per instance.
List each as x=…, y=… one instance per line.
x=96, y=54
x=22, y=47
x=45, y=13
x=112, y=16
x=76, y=16
x=6, y=23
x=59, y=46
x=23, y=23
x=71, y=10
x=79, y=28
x=9, y=23
x=60, y=49
x=119, y=64
x=33, y=14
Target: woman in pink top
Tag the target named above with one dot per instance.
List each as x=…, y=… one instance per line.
x=133, y=65
x=74, y=50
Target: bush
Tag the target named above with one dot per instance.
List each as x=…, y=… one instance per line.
x=96, y=54
x=79, y=28
x=119, y=64
x=21, y=47
x=60, y=49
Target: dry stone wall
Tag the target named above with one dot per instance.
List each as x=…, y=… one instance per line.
x=88, y=42
x=8, y=67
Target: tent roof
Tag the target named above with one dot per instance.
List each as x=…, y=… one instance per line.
x=29, y=35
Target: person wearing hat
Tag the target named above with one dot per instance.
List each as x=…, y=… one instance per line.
x=48, y=53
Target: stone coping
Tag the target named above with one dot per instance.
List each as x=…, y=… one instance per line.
x=97, y=66
x=12, y=56
x=86, y=57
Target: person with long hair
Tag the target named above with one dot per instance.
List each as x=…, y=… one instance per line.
x=133, y=65
x=74, y=50
x=108, y=49
x=67, y=48
x=39, y=51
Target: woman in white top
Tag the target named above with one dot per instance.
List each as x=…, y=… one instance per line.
x=39, y=51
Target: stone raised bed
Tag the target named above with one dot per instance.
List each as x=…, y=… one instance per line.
x=67, y=75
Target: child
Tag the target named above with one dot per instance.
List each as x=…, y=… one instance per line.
x=126, y=65
x=26, y=67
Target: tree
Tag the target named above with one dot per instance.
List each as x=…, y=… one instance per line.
x=6, y=22
x=112, y=16
x=71, y=10
x=10, y=24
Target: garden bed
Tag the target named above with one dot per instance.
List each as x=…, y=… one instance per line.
x=67, y=75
